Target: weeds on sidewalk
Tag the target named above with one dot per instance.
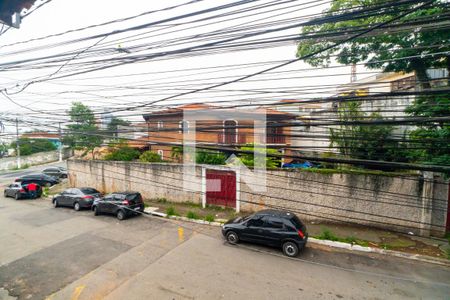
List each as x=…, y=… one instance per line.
x=192, y=215
x=209, y=218
x=170, y=211
x=327, y=234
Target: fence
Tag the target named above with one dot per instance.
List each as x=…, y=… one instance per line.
x=415, y=204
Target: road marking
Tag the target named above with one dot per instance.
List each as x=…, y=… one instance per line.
x=77, y=292
x=180, y=234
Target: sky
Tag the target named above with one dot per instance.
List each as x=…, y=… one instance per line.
x=161, y=77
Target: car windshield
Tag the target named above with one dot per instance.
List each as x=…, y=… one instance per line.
x=89, y=191
x=243, y=219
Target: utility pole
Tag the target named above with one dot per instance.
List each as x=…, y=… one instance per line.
x=60, y=143
x=17, y=144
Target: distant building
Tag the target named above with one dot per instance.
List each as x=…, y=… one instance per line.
x=391, y=107
x=104, y=120
x=309, y=134
x=41, y=135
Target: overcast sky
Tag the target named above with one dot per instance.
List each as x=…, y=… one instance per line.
x=125, y=86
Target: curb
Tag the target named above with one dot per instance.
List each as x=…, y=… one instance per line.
x=333, y=244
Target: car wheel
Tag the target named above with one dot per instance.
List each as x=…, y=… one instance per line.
x=290, y=249
x=232, y=237
x=55, y=203
x=77, y=206
x=17, y=196
x=5, y=194
x=96, y=212
x=120, y=215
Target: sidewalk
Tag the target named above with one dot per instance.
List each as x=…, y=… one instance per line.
x=351, y=234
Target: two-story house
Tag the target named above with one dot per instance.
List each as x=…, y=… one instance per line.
x=166, y=128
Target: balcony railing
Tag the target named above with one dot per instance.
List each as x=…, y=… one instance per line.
x=275, y=139
x=241, y=138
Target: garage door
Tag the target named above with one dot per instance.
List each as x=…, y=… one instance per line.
x=221, y=188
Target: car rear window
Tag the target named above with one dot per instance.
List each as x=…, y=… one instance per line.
x=89, y=191
x=296, y=221
x=134, y=197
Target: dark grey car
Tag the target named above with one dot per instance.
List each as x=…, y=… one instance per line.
x=57, y=172
x=77, y=198
x=120, y=204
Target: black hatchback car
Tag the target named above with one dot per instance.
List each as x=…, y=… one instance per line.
x=269, y=227
x=122, y=205
x=41, y=179
x=77, y=198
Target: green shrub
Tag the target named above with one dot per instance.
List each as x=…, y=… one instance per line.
x=209, y=218
x=170, y=211
x=327, y=235
x=150, y=156
x=210, y=157
x=45, y=191
x=123, y=154
x=350, y=240
x=192, y=215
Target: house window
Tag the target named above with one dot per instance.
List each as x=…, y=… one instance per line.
x=274, y=133
x=161, y=153
x=182, y=125
x=160, y=125
x=230, y=132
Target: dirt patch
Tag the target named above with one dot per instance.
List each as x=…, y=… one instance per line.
x=186, y=208
x=378, y=238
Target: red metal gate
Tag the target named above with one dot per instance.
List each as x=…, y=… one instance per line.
x=221, y=188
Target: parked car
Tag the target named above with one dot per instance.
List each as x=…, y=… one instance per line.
x=269, y=227
x=58, y=172
x=41, y=179
x=122, y=205
x=19, y=191
x=77, y=198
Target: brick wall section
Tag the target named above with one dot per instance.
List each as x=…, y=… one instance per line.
x=395, y=203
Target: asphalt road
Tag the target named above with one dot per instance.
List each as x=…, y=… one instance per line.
x=6, y=176
x=57, y=253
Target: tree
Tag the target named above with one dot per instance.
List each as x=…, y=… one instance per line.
x=373, y=142
x=82, y=133
x=123, y=153
x=432, y=140
x=150, y=156
x=396, y=40
x=30, y=146
x=113, y=126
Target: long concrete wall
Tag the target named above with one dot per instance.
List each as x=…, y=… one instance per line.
x=416, y=204
x=8, y=163
x=406, y=204
x=157, y=180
